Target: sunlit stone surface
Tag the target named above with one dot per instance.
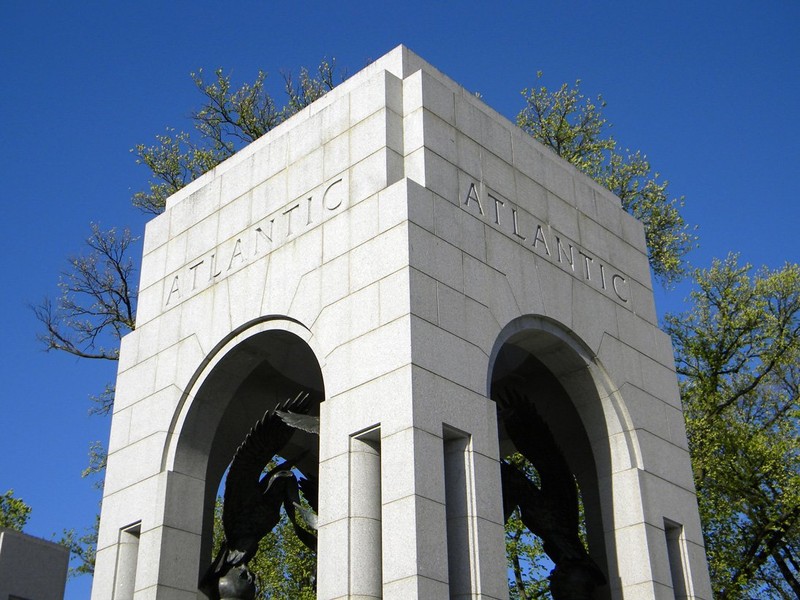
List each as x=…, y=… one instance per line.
x=394, y=249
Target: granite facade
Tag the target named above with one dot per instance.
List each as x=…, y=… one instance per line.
x=383, y=247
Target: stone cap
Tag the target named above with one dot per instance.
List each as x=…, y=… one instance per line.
x=400, y=62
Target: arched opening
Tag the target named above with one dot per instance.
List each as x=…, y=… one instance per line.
x=246, y=377
x=550, y=412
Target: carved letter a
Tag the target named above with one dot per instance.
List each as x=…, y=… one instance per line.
x=472, y=194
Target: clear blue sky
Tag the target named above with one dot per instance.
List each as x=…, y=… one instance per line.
x=708, y=90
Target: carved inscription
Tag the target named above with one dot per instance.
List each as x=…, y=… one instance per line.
x=256, y=241
x=540, y=238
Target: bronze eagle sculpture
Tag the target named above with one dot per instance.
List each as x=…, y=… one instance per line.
x=549, y=509
x=253, y=499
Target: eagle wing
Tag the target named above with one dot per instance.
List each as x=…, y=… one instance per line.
x=534, y=440
x=307, y=423
x=243, y=501
x=550, y=511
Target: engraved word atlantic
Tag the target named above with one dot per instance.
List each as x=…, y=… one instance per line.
x=259, y=239
x=546, y=241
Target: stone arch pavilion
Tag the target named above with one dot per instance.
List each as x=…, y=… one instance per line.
x=398, y=250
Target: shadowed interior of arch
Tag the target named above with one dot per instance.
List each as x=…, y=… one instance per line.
x=520, y=378
x=253, y=378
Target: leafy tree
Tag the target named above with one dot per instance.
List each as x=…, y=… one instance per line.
x=573, y=126
x=14, y=513
x=738, y=355
x=227, y=120
x=82, y=547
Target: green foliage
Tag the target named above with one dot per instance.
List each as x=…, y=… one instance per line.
x=738, y=354
x=569, y=123
x=527, y=564
x=14, y=513
x=308, y=87
x=283, y=567
x=228, y=119
x=98, y=455
x=526, y=561
x=573, y=126
x=174, y=160
x=82, y=549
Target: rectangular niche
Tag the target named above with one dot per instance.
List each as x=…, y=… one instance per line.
x=365, y=547
x=460, y=510
x=676, y=554
x=127, y=559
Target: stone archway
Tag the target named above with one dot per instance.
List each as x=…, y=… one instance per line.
x=411, y=259
x=262, y=365
x=565, y=384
